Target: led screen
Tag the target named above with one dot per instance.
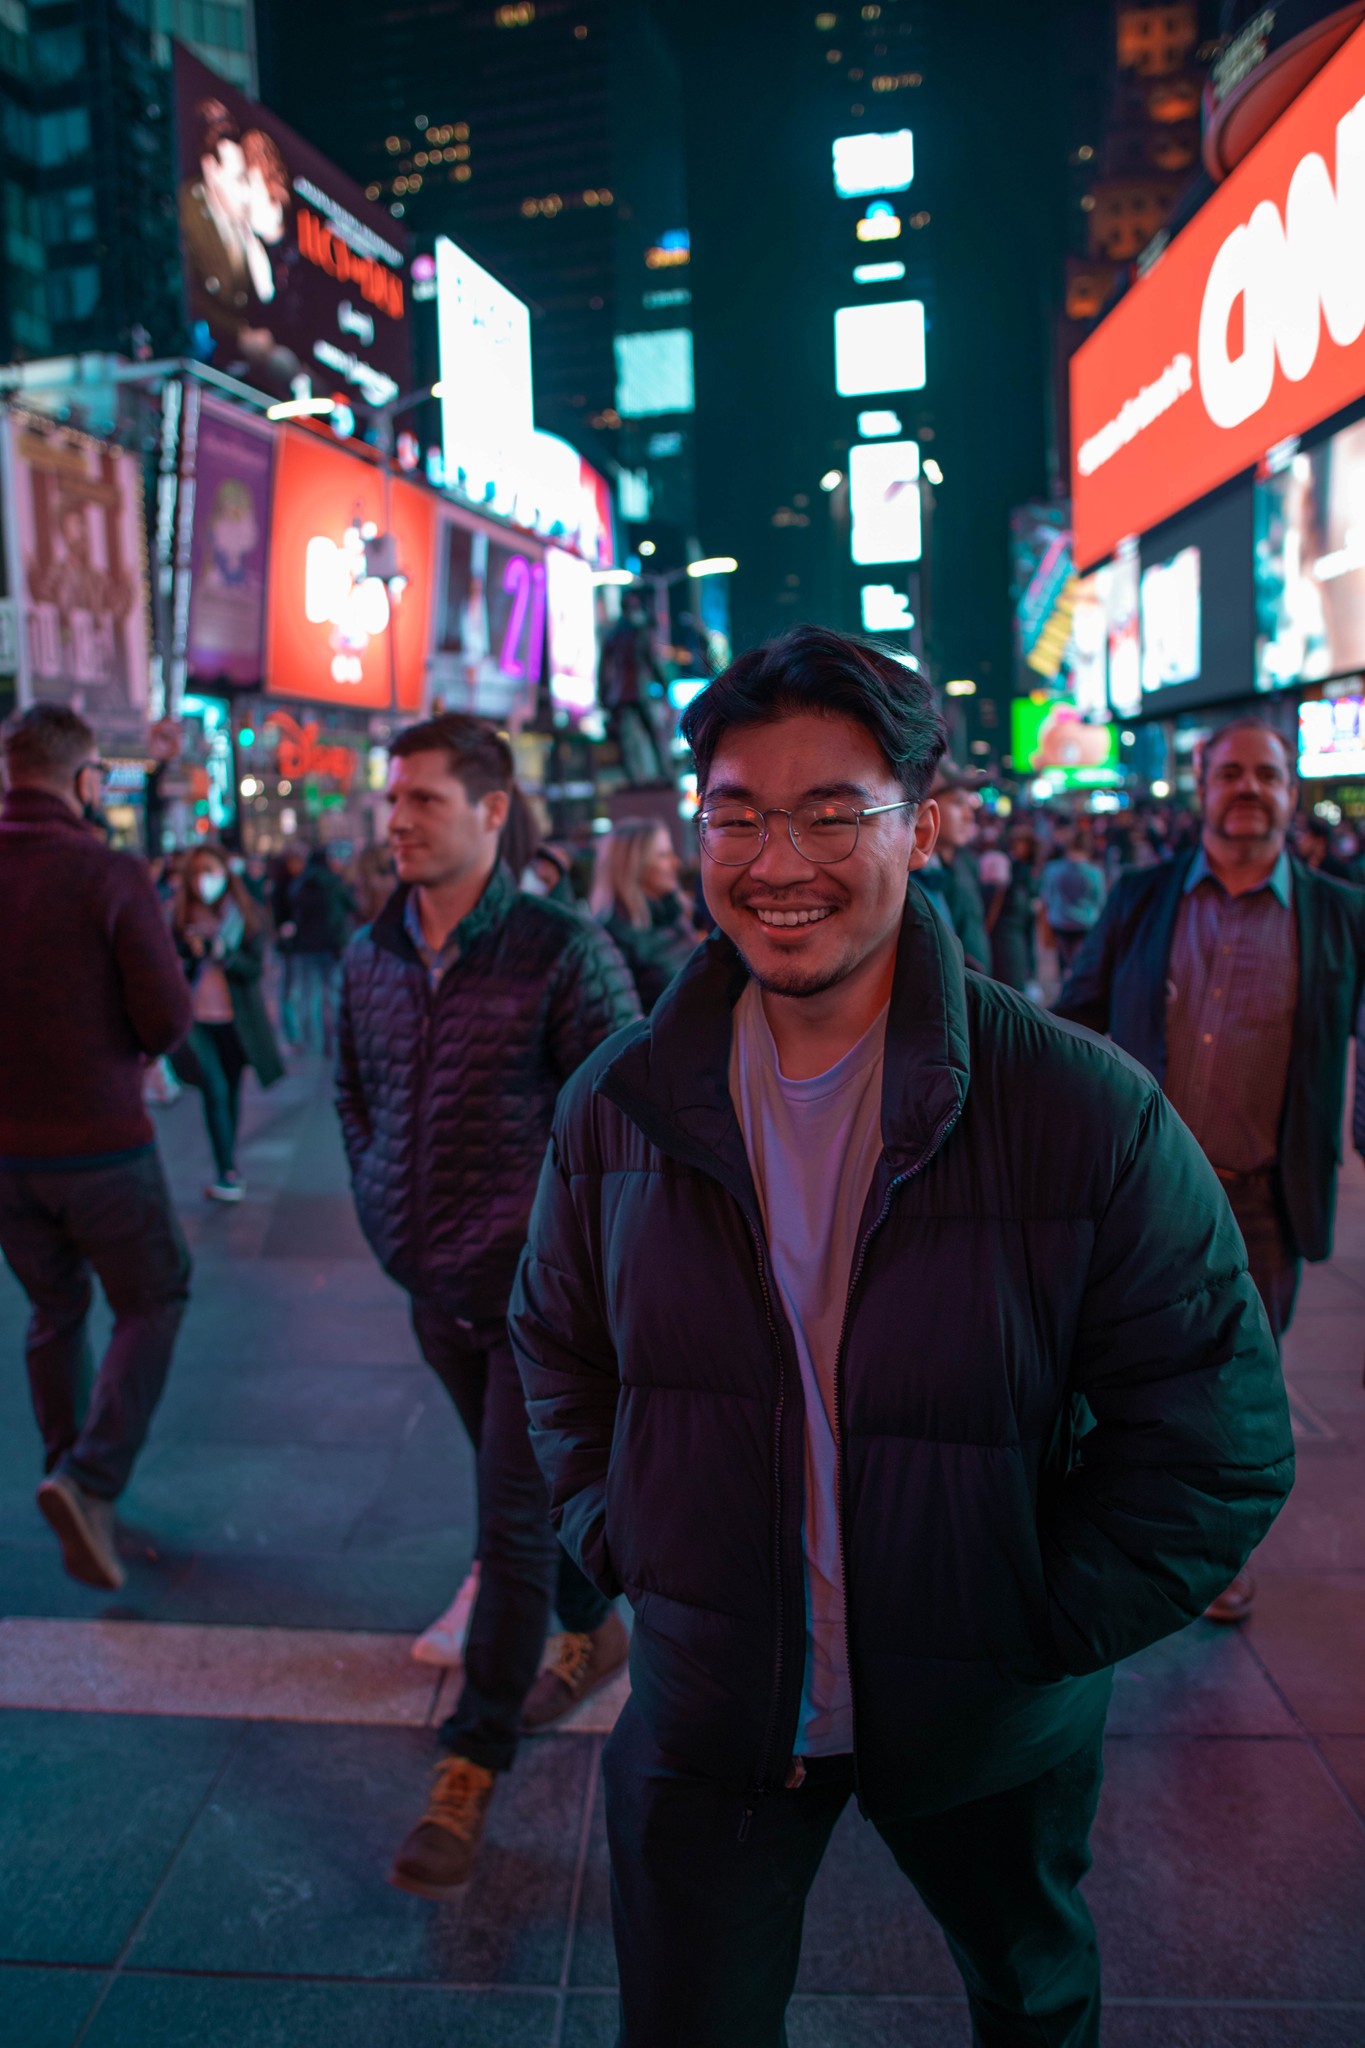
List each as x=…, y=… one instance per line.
x=884, y=502
x=1170, y=622
x=1088, y=653
x=1332, y=736
x=335, y=634
x=573, y=631
x=886, y=609
x=1121, y=635
x=864, y=164
x=879, y=348
x=654, y=373
x=289, y=269
x=1310, y=564
x=1049, y=737
x=485, y=357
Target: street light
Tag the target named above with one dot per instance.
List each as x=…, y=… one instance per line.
x=932, y=470
x=831, y=479
x=713, y=565
x=620, y=577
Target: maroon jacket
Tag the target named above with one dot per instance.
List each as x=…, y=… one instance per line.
x=89, y=983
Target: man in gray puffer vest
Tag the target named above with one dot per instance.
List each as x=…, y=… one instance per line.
x=465, y=1008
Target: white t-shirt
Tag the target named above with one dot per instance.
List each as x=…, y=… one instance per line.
x=813, y=1147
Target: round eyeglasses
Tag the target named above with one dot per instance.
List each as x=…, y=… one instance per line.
x=732, y=835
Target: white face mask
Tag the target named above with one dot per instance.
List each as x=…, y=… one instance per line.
x=211, y=885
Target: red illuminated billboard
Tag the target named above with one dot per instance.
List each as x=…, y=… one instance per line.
x=1248, y=329
x=336, y=633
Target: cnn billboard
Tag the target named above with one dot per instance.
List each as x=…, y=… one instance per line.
x=1250, y=328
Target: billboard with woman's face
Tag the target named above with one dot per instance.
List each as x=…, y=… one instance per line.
x=289, y=269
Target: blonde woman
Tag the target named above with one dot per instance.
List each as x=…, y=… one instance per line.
x=635, y=898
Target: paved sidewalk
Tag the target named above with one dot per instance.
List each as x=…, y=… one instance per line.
x=202, y=1779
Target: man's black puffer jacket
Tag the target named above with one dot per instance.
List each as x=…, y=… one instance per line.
x=446, y=1099
x=1044, y=1250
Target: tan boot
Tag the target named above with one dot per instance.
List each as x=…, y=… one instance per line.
x=84, y=1526
x=580, y=1664
x=1235, y=1602
x=438, y=1856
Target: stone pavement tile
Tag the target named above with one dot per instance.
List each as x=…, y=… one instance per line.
x=1346, y=1756
x=286, y=1869
x=427, y=1493
x=382, y=1590
x=1220, y=2026
x=1328, y=1339
x=593, y=1958
x=1203, y=1681
x=1226, y=1869
x=319, y=1226
x=44, y=2008
x=253, y=1496
x=146, y=1667
x=1335, y=1283
x=866, y=1930
x=591, y=2019
x=217, y=2012
x=303, y=1403
x=877, y=2023
x=92, y=1809
x=32, y=1582
x=1338, y=1397
x=1321, y=1527
x=1309, y=1632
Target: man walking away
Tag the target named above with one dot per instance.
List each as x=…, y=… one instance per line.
x=830, y=1265
x=1234, y=974
x=321, y=912
x=465, y=1007
x=90, y=989
x=1072, y=889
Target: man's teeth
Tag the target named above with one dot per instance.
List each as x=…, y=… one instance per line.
x=793, y=916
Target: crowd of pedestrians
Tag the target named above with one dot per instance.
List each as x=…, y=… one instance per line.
x=902, y=1353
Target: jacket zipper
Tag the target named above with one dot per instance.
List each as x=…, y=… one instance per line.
x=760, y=1786
x=899, y=1181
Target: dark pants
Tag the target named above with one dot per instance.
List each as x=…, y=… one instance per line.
x=523, y=1570
x=315, y=981
x=1275, y=1267
x=212, y=1060
x=55, y=1229
x=641, y=762
x=708, y=1928
x=1068, y=944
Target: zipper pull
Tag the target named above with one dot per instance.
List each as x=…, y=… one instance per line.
x=746, y=1822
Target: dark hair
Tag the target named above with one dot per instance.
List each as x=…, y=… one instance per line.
x=812, y=668
x=219, y=127
x=1248, y=722
x=475, y=750
x=47, y=743
x=1318, y=828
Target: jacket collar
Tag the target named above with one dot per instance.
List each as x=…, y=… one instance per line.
x=39, y=807
x=389, y=929
x=673, y=1079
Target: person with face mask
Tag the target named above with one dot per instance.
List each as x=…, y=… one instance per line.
x=220, y=933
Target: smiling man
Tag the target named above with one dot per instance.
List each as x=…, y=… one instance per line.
x=831, y=1264
x=1234, y=975
x=465, y=1006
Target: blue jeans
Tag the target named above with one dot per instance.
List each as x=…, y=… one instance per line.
x=57, y=1228
x=523, y=1571
x=314, y=983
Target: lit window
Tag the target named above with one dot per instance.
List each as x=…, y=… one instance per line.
x=884, y=502
x=654, y=373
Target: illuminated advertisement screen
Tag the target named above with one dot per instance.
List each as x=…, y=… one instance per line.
x=654, y=373
x=1088, y=654
x=573, y=631
x=1250, y=328
x=1170, y=622
x=287, y=264
x=78, y=571
x=1332, y=736
x=515, y=586
x=336, y=634
x=1122, y=639
x=234, y=458
x=1310, y=564
x=1049, y=737
x=884, y=502
x=879, y=348
x=485, y=357
x=865, y=164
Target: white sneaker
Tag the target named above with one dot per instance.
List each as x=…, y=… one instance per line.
x=444, y=1641
x=233, y=1190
